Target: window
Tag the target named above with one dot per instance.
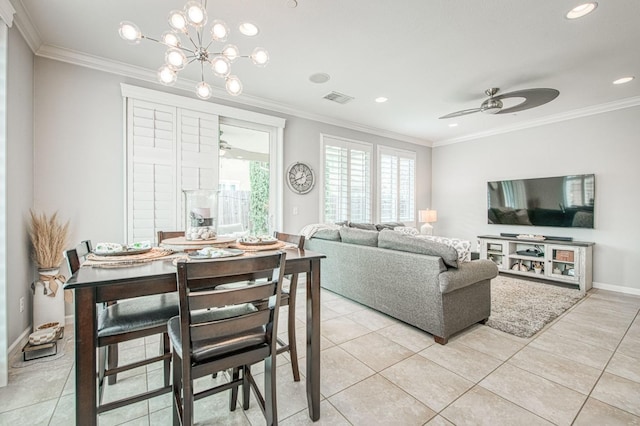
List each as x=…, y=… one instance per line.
x=346, y=171
x=396, y=185
x=173, y=143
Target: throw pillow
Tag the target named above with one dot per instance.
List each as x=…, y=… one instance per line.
x=327, y=234
x=408, y=230
x=362, y=237
x=462, y=247
x=388, y=225
x=397, y=241
x=369, y=226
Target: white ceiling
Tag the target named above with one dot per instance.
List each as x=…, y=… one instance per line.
x=429, y=58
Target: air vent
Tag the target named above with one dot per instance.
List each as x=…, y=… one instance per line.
x=338, y=97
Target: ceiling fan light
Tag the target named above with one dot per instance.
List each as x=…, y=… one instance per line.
x=177, y=21
x=231, y=52
x=581, y=10
x=167, y=76
x=249, y=29
x=170, y=39
x=195, y=13
x=130, y=32
x=175, y=59
x=491, y=106
x=260, y=57
x=219, y=30
x=221, y=66
x=203, y=90
x=233, y=85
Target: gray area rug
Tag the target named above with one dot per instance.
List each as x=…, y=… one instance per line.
x=523, y=308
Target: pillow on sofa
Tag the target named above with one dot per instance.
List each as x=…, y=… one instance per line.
x=368, y=226
x=362, y=237
x=462, y=247
x=388, y=225
x=397, y=241
x=408, y=230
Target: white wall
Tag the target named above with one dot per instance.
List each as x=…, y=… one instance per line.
x=20, y=271
x=605, y=144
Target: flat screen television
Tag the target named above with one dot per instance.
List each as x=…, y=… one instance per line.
x=564, y=201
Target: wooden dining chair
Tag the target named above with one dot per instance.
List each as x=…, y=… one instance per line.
x=163, y=235
x=124, y=321
x=223, y=327
x=289, y=299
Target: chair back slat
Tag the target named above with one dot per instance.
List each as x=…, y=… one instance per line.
x=204, y=313
x=163, y=235
x=76, y=256
x=219, y=298
x=231, y=326
x=290, y=238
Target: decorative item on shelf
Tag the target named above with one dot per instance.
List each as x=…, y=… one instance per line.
x=201, y=208
x=428, y=217
x=538, y=267
x=49, y=239
x=190, y=23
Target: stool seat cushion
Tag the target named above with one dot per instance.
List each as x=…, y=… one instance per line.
x=218, y=346
x=137, y=314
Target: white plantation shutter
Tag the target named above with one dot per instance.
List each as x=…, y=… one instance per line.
x=396, y=176
x=168, y=149
x=347, y=180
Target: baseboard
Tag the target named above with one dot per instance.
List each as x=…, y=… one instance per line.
x=617, y=288
x=16, y=347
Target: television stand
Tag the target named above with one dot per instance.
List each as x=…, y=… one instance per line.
x=569, y=262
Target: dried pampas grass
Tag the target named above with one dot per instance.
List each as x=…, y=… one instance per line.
x=49, y=239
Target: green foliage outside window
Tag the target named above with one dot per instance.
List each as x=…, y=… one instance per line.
x=259, y=200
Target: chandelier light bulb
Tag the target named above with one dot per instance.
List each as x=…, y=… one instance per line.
x=231, y=52
x=175, y=59
x=196, y=14
x=260, y=57
x=178, y=21
x=167, y=76
x=203, y=90
x=170, y=39
x=219, y=31
x=130, y=32
x=249, y=29
x=221, y=66
x=233, y=85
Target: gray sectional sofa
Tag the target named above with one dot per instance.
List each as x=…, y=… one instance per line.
x=417, y=281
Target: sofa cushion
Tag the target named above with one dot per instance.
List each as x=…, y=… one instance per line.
x=327, y=234
x=463, y=247
x=397, y=241
x=362, y=237
x=408, y=230
x=368, y=226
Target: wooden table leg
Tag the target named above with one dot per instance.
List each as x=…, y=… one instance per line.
x=85, y=335
x=313, y=340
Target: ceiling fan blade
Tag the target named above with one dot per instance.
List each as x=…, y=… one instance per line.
x=459, y=113
x=532, y=98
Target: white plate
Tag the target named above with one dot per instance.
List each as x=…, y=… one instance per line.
x=216, y=254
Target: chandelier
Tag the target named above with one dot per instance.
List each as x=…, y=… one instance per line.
x=189, y=24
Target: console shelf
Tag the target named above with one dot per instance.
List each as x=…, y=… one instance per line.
x=569, y=262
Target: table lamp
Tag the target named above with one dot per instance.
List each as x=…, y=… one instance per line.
x=428, y=217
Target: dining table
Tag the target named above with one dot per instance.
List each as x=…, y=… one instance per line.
x=94, y=285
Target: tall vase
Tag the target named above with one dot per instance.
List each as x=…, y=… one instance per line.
x=48, y=298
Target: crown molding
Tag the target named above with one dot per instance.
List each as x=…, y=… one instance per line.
x=569, y=115
x=25, y=26
x=6, y=12
x=130, y=71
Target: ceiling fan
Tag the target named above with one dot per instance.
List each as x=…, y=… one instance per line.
x=532, y=98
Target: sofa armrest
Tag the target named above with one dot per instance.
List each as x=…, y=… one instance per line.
x=466, y=274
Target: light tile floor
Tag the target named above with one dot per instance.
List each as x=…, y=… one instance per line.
x=582, y=369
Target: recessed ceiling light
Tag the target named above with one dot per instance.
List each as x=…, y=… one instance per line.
x=581, y=10
x=381, y=99
x=453, y=125
x=248, y=29
x=319, y=78
x=623, y=80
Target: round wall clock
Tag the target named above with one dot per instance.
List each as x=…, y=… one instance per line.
x=300, y=178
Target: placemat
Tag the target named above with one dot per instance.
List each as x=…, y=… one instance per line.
x=156, y=253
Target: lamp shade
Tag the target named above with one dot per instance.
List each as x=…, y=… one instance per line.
x=427, y=216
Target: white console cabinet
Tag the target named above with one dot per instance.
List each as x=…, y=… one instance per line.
x=569, y=262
